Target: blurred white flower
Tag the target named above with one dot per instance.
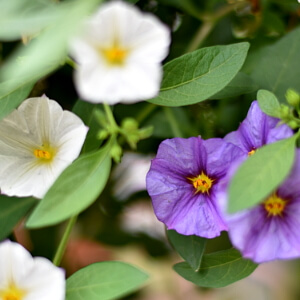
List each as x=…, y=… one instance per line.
x=119, y=55
x=23, y=277
x=138, y=217
x=37, y=142
x=130, y=175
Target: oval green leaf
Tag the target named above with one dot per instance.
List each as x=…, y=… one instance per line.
x=26, y=17
x=241, y=84
x=217, y=269
x=12, y=93
x=189, y=247
x=85, y=111
x=104, y=281
x=260, y=174
x=48, y=50
x=12, y=209
x=277, y=67
x=268, y=103
x=198, y=75
x=75, y=189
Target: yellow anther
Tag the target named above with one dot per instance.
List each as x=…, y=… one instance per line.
x=42, y=154
x=202, y=183
x=274, y=205
x=251, y=152
x=115, y=55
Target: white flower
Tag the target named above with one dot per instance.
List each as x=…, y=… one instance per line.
x=37, y=142
x=23, y=277
x=130, y=175
x=119, y=55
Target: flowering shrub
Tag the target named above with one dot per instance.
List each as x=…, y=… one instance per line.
x=171, y=80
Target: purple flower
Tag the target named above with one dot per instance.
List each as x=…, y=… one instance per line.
x=257, y=130
x=270, y=230
x=183, y=180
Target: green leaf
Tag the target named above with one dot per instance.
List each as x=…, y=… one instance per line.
x=277, y=67
x=76, y=188
x=26, y=17
x=104, y=281
x=85, y=111
x=12, y=209
x=48, y=50
x=196, y=76
x=260, y=174
x=268, y=103
x=241, y=84
x=189, y=247
x=218, y=269
x=12, y=94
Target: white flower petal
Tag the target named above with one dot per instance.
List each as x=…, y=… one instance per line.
x=39, y=124
x=122, y=26
x=37, y=277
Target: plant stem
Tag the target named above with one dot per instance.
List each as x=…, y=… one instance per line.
x=149, y=108
x=200, y=36
x=209, y=22
x=110, y=117
x=63, y=243
x=172, y=121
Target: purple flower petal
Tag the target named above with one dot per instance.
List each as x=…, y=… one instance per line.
x=262, y=236
x=257, y=130
x=176, y=201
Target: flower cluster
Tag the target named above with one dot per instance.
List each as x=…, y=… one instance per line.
x=188, y=179
x=269, y=230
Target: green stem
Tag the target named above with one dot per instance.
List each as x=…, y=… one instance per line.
x=63, y=243
x=209, y=22
x=149, y=108
x=200, y=36
x=172, y=121
x=110, y=117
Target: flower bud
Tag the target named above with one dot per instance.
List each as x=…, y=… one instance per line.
x=129, y=124
x=116, y=153
x=292, y=97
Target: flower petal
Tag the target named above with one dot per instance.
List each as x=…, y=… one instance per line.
x=142, y=36
x=37, y=277
x=38, y=124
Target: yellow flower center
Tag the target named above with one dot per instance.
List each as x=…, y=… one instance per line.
x=12, y=293
x=115, y=55
x=202, y=183
x=274, y=205
x=44, y=154
x=251, y=152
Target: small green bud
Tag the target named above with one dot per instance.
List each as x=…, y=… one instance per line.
x=132, y=139
x=293, y=124
x=284, y=112
x=116, y=153
x=102, y=134
x=292, y=97
x=129, y=124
